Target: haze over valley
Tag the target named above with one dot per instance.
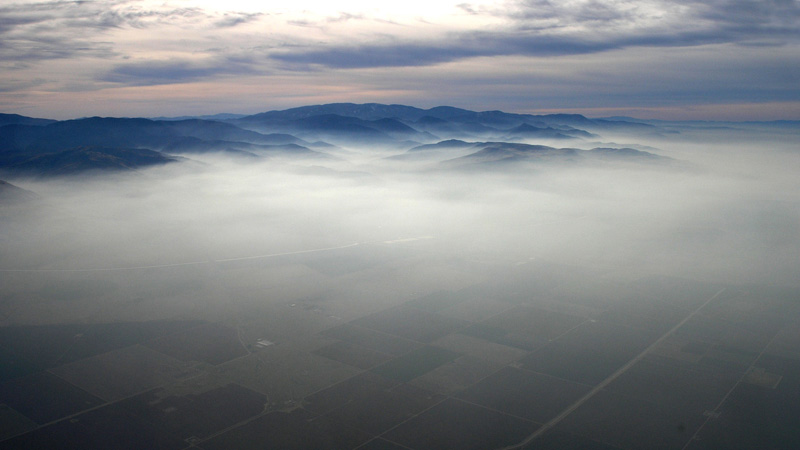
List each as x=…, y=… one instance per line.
x=417, y=225
x=385, y=276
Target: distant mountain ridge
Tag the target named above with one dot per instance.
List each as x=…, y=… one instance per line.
x=32, y=145
x=219, y=116
x=85, y=159
x=366, y=111
x=21, y=143
x=493, y=154
x=16, y=119
x=374, y=111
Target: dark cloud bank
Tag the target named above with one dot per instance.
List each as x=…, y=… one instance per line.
x=544, y=28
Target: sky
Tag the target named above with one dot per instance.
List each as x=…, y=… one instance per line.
x=682, y=59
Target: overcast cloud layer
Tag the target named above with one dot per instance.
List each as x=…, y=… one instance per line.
x=718, y=59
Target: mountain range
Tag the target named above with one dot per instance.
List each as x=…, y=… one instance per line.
x=44, y=147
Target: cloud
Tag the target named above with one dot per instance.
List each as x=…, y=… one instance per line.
x=66, y=29
x=566, y=12
x=467, y=8
x=59, y=30
x=148, y=73
x=233, y=19
x=344, y=17
x=392, y=55
x=42, y=31
x=18, y=84
x=545, y=28
x=404, y=54
x=21, y=19
x=573, y=47
x=755, y=16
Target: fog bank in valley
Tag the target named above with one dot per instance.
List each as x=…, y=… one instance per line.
x=729, y=212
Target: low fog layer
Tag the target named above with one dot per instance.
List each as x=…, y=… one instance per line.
x=180, y=234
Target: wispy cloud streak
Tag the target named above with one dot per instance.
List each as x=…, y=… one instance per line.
x=547, y=28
